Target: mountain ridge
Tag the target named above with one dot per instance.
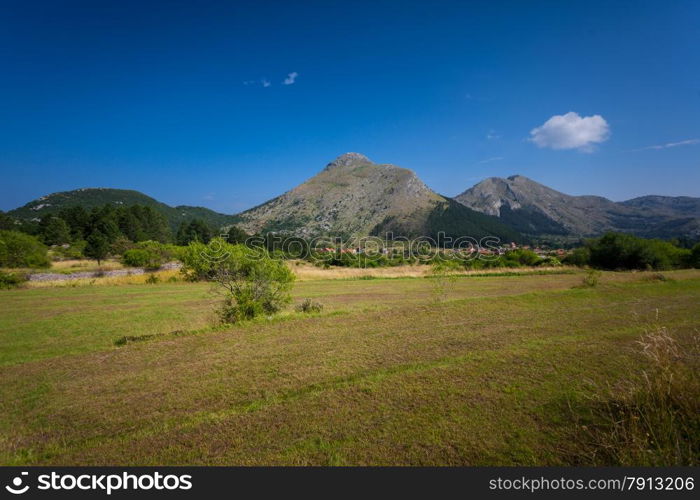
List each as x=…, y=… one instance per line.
x=535, y=209
x=353, y=196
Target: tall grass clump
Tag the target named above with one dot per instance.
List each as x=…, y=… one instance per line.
x=309, y=306
x=443, y=276
x=653, y=418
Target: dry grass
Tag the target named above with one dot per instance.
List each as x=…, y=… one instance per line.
x=651, y=417
x=305, y=271
x=75, y=265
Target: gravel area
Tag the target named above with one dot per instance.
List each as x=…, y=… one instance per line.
x=98, y=274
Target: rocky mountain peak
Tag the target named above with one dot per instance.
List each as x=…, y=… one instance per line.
x=348, y=159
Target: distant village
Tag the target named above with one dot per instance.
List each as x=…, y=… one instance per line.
x=540, y=251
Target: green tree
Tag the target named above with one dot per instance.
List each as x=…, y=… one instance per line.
x=694, y=258
x=7, y=222
x=580, y=257
x=54, y=230
x=78, y=220
x=104, y=221
x=624, y=251
x=195, y=230
x=22, y=250
x=236, y=235
x=97, y=247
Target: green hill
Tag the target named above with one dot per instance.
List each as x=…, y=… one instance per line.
x=90, y=198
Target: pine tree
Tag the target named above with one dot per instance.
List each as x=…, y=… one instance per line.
x=54, y=230
x=97, y=247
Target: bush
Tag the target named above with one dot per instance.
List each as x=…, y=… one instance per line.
x=152, y=279
x=309, y=306
x=522, y=257
x=148, y=254
x=22, y=250
x=121, y=245
x=549, y=262
x=443, y=275
x=136, y=258
x=580, y=257
x=240, y=306
x=591, y=279
x=72, y=251
x=11, y=280
x=199, y=260
x=251, y=281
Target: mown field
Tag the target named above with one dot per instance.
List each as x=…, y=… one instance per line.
x=496, y=373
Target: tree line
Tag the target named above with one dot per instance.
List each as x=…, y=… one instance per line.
x=75, y=232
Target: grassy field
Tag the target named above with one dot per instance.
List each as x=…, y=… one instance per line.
x=494, y=374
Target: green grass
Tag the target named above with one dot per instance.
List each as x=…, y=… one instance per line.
x=383, y=375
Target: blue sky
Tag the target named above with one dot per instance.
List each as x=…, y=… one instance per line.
x=186, y=101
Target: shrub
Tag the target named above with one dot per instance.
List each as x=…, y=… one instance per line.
x=309, y=306
x=11, y=280
x=239, y=306
x=152, y=279
x=121, y=245
x=443, y=277
x=136, y=258
x=580, y=257
x=197, y=262
x=148, y=254
x=592, y=278
x=549, y=262
x=71, y=251
x=251, y=281
x=522, y=257
x=22, y=250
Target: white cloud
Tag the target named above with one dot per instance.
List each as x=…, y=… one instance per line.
x=265, y=82
x=571, y=131
x=492, y=135
x=291, y=78
x=687, y=142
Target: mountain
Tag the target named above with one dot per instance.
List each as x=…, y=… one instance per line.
x=673, y=206
x=535, y=209
x=90, y=198
x=352, y=196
